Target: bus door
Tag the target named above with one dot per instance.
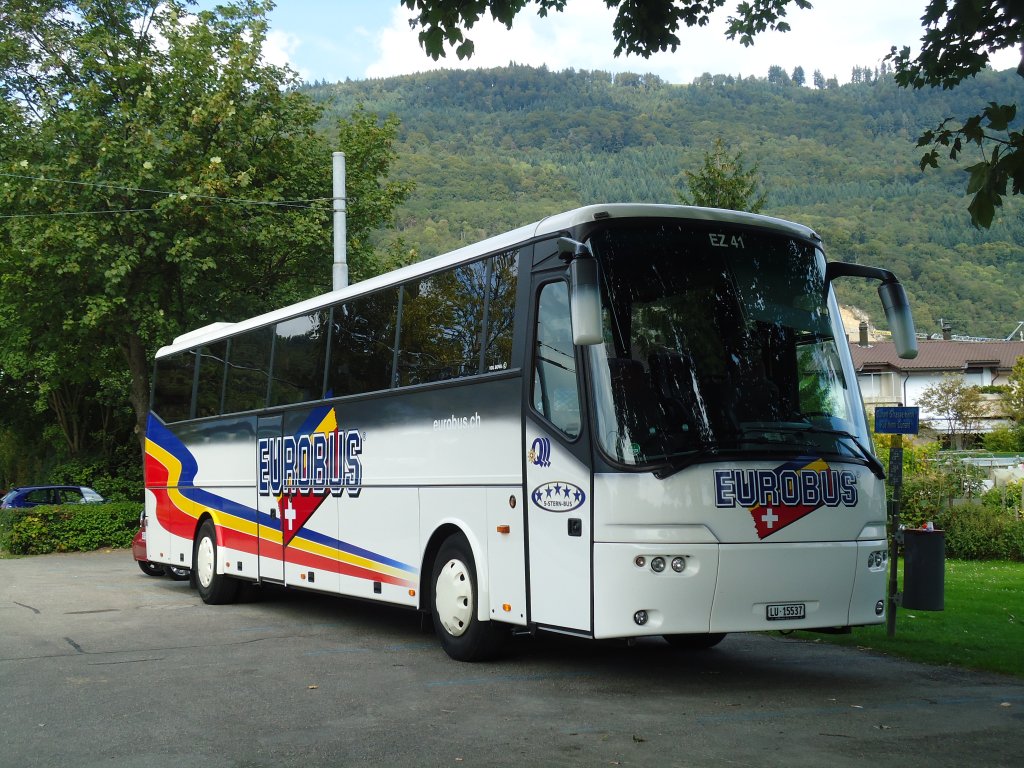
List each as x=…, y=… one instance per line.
x=558, y=484
x=271, y=548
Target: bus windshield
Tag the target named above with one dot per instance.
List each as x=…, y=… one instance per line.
x=719, y=338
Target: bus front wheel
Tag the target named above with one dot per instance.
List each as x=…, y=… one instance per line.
x=215, y=588
x=454, y=606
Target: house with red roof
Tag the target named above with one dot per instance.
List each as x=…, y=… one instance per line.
x=885, y=379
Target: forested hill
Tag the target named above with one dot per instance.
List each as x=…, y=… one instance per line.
x=493, y=149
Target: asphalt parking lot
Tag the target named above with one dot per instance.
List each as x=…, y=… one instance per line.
x=101, y=665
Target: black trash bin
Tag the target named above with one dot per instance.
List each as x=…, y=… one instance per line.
x=924, y=569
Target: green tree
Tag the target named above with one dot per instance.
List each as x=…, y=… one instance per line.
x=372, y=197
x=777, y=75
x=955, y=406
x=959, y=37
x=158, y=176
x=1013, y=401
x=724, y=182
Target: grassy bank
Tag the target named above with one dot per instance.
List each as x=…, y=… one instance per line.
x=982, y=626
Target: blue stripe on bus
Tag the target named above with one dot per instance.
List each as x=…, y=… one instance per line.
x=352, y=549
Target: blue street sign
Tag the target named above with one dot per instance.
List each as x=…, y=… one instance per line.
x=896, y=421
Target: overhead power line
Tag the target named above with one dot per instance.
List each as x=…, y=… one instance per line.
x=71, y=213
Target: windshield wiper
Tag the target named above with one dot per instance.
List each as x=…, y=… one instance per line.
x=873, y=463
x=681, y=461
x=809, y=429
x=720, y=450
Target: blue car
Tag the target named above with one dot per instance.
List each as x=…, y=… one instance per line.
x=36, y=495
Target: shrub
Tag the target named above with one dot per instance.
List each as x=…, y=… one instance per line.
x=69, y=527
x=6, y=520
x=1004, y=439
x=981, y=532
x=1005, y=498
x=116, y=479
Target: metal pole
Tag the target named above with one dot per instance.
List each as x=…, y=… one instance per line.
x=896, y=473
x=340, y=270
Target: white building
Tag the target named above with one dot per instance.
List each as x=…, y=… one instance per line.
x=885, y=379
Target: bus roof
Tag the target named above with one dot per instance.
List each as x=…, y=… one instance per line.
x=550, y=225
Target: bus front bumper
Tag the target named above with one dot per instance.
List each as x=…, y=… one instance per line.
x=640, y=588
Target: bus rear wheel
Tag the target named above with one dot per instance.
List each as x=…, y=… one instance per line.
x=454, y=605
x=215, y=588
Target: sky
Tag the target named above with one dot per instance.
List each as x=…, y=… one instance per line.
x=335, y=40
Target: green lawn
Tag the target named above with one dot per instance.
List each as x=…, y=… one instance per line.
x=982, y=626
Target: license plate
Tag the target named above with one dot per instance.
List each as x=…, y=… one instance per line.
x=784, y=611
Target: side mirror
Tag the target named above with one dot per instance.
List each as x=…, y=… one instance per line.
x=897, y=314
x=894, y=303
x=584, y=292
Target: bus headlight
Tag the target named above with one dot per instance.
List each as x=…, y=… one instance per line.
x=658, y=564
x=678, y=564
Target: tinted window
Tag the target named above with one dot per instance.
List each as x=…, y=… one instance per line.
x=172, y=393
x=555, y=392
x=362, y=344
x=441, y=317
x=211, y=379
x=41, y=496
x=501, y=310
x=248, y=364
x=300, y=346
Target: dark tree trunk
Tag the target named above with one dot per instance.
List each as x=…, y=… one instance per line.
x=138, y=366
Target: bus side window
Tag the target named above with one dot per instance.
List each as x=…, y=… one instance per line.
x=211, y=379
x=440, y=334
x=362, y=344
x=299, y=353
x=248, y=370
x=172, y=394
x=555, y=389
x=500, y=312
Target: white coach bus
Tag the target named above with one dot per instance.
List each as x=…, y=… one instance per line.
x=620, y=421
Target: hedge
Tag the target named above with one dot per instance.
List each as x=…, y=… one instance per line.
x=982, y=532
x=973, y=531
x=68, y=527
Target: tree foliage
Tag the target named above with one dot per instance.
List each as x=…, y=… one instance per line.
x=956, y=405
x=959, y=37
x=641, y=28
x=158, y=175
x=725, y=182
x=1014, y=398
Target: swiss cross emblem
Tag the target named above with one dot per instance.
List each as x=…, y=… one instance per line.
x=295, y=512
x=769, y=520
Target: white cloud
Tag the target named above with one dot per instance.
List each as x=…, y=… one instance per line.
x=834, y=36
x=279, y=49
x=554, y=41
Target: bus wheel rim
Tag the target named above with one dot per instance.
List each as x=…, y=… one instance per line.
x=205, y=561
x=453, y=597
